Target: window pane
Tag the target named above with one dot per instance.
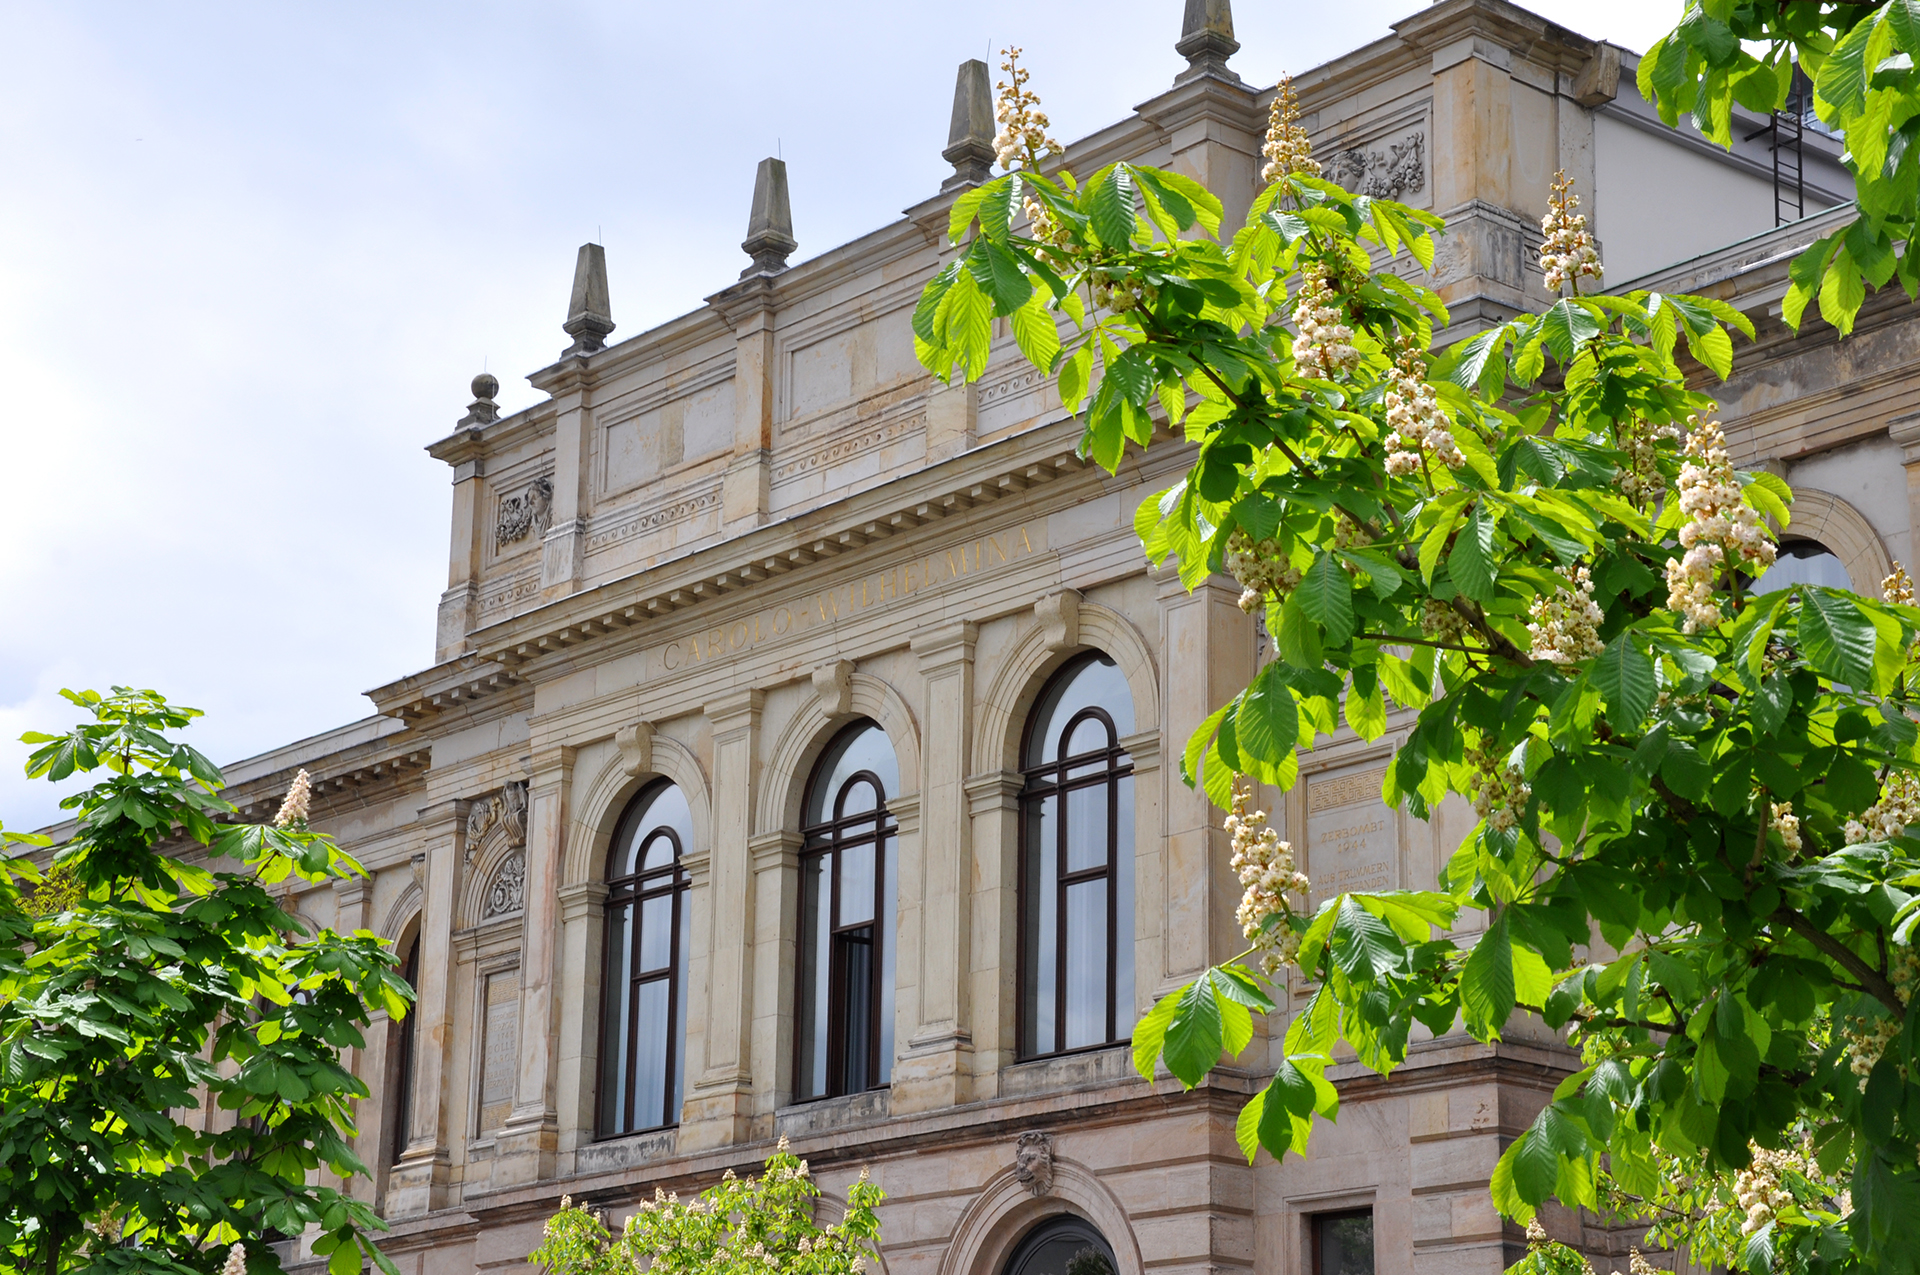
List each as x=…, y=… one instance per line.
x=1123, y=1009
x=856, y=884
x=1089, y=736
x=858, y=799
x=658, y=852
x=1086, y=827
x=856, y=991
x=613, y=1063
x=1803, y=562
x=685, y=929
x=1041, y=908
x=650, y=1067
x=1343, y=1243
x=657, y=808
x=863, y=748
x=1086, y=957
x=656, y=933
x=1098, y=681
x=889, y=940
x=815, y=899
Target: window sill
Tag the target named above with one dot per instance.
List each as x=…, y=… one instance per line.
x=821, y=1115
x=625, y=1149
x=1083, y=1069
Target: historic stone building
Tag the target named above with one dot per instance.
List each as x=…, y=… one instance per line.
x=800, y=757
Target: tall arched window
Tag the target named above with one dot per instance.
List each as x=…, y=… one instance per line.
x=643, y=1032
x=849, y=863
x=1076, y=863
x=1803, y=562
x=400, y=1040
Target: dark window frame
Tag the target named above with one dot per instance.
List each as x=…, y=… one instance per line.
x=632, y=891
x=1063, y=1225
x=1040, y=781
x=843, y=831
x=1315, y=1223
x=401, y=1033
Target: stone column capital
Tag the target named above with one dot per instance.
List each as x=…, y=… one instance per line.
x=735, y=711
x=946, y=644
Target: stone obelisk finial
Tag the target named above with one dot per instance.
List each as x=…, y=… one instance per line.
x=590, y=315
x=1206, y=40
x=970, y=137
x=770, y=227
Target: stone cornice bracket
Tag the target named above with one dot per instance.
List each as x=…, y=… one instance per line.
x=1059, y=615
x=970, y=137
x=770, y=225
x=833, y=686
x=1599, y=80
x=590, y=314
x=1905, y=433
x=636, y=748
x=483, y=410
x=1206, y=40
x=947, y=644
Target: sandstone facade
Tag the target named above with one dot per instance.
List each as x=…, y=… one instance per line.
x=717, y=544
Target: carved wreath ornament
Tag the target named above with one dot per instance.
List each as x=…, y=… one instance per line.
x=528, y=514
x=1398, y=170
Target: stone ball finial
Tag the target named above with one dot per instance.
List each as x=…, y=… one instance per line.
x=485, y=386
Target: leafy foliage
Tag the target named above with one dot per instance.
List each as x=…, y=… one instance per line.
x=1693, y=853
x=751, y=1226
x=1860, y=58
x=135, y=987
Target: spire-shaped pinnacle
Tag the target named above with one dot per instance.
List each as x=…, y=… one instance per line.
x=970, y=138
x=590, y=315
x=770, y=227
x=1206, y=40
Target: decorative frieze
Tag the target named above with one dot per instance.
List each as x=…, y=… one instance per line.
x=628, y=524
x=1393, y=171
x=875, y=435
x=528, y=514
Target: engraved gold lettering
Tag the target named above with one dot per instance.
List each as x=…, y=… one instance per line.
x=671, y=656
x=998, y=548
x=1023, y=540
x=738, y=638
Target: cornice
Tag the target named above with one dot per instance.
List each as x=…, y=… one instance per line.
x=456, y=683
x=504, y=434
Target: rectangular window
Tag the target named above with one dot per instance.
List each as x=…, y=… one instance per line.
x=1342, y=1243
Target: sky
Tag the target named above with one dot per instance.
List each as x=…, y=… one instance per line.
x=252, y=255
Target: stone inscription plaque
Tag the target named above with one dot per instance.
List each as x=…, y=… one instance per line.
x=1353, y=838
x=500, y=1049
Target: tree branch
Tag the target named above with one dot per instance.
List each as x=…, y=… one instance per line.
x=1871, y=979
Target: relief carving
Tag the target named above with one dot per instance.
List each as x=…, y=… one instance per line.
x=528, y=514
x=1397, y=171
x=1033, y=1162
x=507, y=892
x=506, y=809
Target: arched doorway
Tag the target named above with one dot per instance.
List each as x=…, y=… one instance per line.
x=1062, y=1246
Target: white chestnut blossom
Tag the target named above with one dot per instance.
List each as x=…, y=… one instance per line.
x=1899, y=805
x=1442, y=623
x=1415, y=418
x=299, y=797
x=1786, y=823
x=1566, y=626
x=1568, y=254
x=1720, y=531
x=1867, y=1039
x=236, y=1261
x=1500, y=790
x=1287, y=149
x=1023, y=138
x=1758, y=1188
x=1261, y=567
x=1264, y=864
x=1897, y=588
x=1324, y=347
x=1640, y=478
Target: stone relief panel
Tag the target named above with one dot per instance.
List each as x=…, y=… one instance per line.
x=1386, y=169
x=507, y=891
x=1353, y=838
x=524, y=515
x=505, y=810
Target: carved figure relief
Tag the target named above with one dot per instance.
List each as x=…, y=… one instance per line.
x=1033, y=1162
x=507, y=892
x=528, y=514
x=506, y=809
x=1398, y=170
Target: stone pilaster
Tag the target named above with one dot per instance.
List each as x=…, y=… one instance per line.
x=746, y=490
x=524, y=1148
x=1213, y=123
x=563, y=549
x=1209, y=649
x=775, y=858
x=576, y=1069
x=993, y=809
x=718, y=1107
x=418, y=1183
x=935, y=1069
x=1905, y=431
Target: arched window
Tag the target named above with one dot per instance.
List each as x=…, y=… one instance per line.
x=400, y=1038
x=849, y=862
x=643, y=1032
x=1803, y=562
x=1076, y=863
x=1062, y=1246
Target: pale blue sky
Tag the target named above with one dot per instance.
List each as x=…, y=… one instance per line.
x=251, y=255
